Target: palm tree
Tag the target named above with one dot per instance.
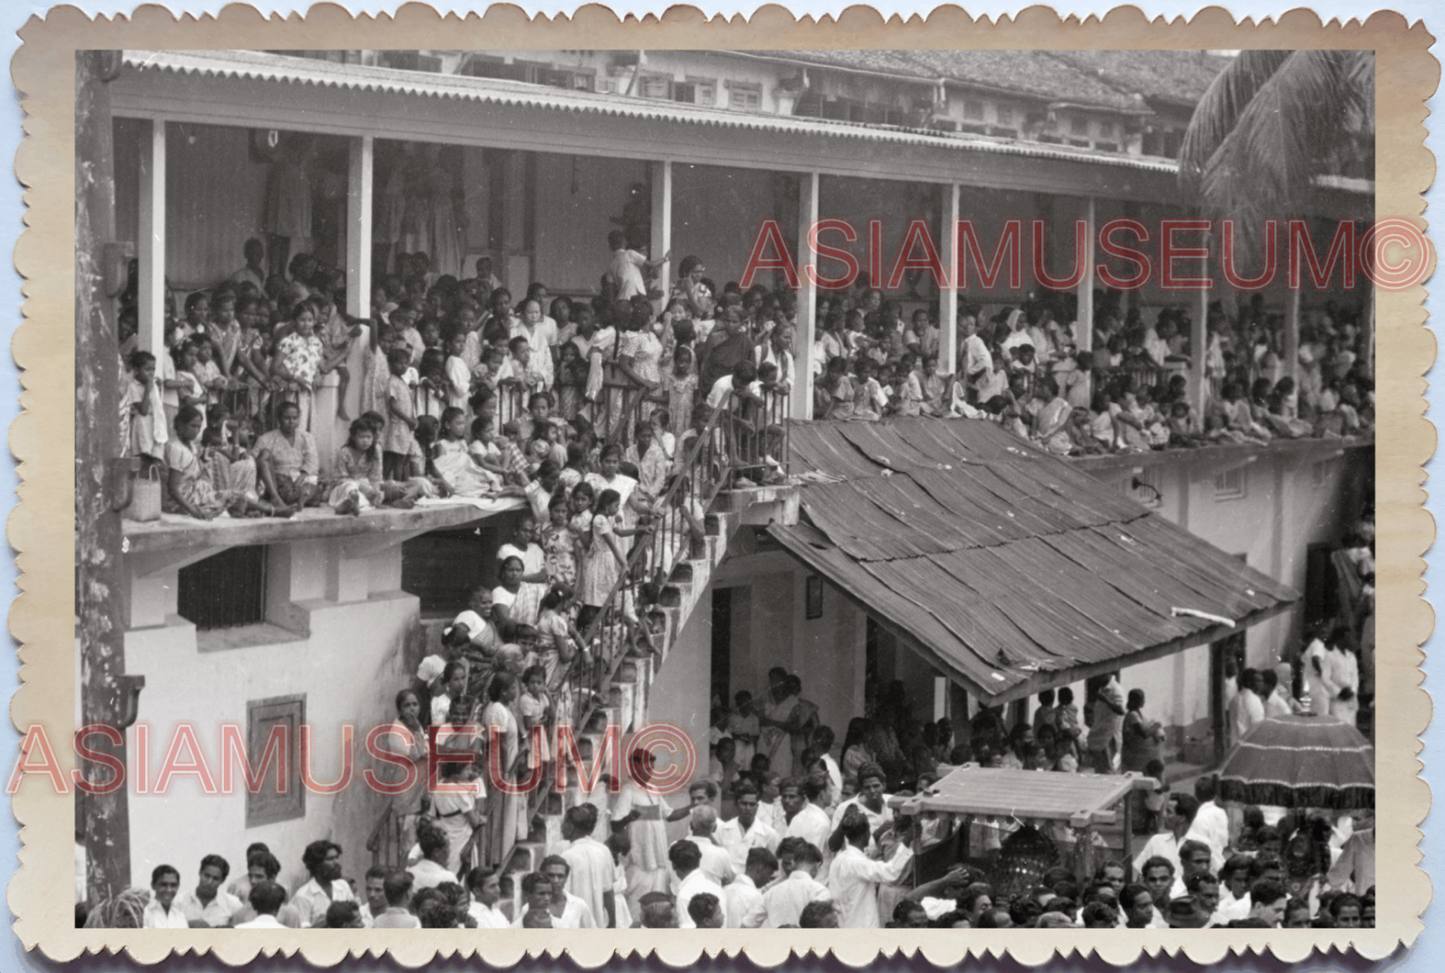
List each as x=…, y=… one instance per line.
x=1270, y=124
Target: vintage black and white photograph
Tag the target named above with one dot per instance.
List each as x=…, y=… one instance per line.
x=731, y=488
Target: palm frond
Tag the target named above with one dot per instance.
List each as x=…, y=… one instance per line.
x=1220, y=107
x=1265, y=164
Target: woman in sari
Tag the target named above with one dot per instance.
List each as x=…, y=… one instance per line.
x=506, y=812
x=515, y=605
x=641, y=812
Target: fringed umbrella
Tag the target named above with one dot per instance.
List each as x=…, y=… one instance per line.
x=1301, y=761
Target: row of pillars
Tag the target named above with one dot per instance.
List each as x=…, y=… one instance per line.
x=152, y=248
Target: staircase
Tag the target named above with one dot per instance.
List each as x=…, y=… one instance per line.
x=645, y=613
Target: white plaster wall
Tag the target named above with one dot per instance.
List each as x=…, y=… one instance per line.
x=349, y=668
x=1286, y=508
x=679, y=693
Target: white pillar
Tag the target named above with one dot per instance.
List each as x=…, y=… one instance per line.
x=1367, y=333
x=151, y=243
x=1199, y=346
x=662, y=238
x=807, y=327
x=358, y=225
x=948, y=294
x=1084, y=320
x=1290, y=351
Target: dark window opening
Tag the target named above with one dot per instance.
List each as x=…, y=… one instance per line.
x=443, y=568
x=225, y=590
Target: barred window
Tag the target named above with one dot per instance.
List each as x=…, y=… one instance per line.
x=225, y=590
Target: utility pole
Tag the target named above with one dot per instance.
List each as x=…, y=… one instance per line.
x=107, y=694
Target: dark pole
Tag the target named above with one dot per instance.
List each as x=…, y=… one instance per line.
x=107, y=694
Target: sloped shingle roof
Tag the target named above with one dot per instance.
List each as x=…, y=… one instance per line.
x=1177, y=78
x=1108, y=79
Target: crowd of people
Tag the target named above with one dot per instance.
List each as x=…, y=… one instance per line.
x=788, y=827
x=1025, y=367
x=572, y=406
x=464, y=392
x=456, y=371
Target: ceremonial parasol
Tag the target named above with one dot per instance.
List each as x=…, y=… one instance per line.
x=1301, y=761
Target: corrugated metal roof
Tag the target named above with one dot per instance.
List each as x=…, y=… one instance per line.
x=259, y=65
x=1006, y=566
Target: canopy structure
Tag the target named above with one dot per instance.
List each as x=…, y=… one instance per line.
x=1301, y=761
x=1079, y=799
x=1007, y=568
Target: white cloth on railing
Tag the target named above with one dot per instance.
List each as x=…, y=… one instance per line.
x=481, y=503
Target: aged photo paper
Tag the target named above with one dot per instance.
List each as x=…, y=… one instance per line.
x=690, y=485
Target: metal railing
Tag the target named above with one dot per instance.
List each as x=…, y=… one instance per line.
x=622, y=621
x=739, y=439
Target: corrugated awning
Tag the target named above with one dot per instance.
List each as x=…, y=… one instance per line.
x=265, y=66
x=1008, y=568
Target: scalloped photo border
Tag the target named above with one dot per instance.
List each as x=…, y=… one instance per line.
x=42, y=439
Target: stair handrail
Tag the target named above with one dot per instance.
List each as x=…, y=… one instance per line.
x=683, y=477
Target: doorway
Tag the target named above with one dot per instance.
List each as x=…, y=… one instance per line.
x=722, y=642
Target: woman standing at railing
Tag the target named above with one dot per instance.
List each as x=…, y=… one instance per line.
x=779, y=351
x=639, y=355
x=608, y=475
x=605, y=561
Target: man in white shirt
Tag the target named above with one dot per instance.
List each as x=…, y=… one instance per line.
x=540, y=339
x=396, y=887
x=575, y=912
x=160, y=912
x=716, y=863
x=431, y=870
x=266, y=898
x=628, y=267
x=1211, y=823
x=1234, y=881
x=686, y=857
x=746, y=831
x=804, y=819
x=977, y=361
x=592, y=874
x=853, y=878
x=1268, y=899
x=871, y=800
x=823, y=739
x=375, y=903
x=208, y=906
x=486, y=888
x=1246, y=708
x=254, y=271
x=323, y=861
x=743, y=898
x=783, y=903
x=1106, y=736
x=1178, y=816
x=568, y=911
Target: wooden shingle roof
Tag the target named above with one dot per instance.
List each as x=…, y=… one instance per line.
x=1007, y=567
